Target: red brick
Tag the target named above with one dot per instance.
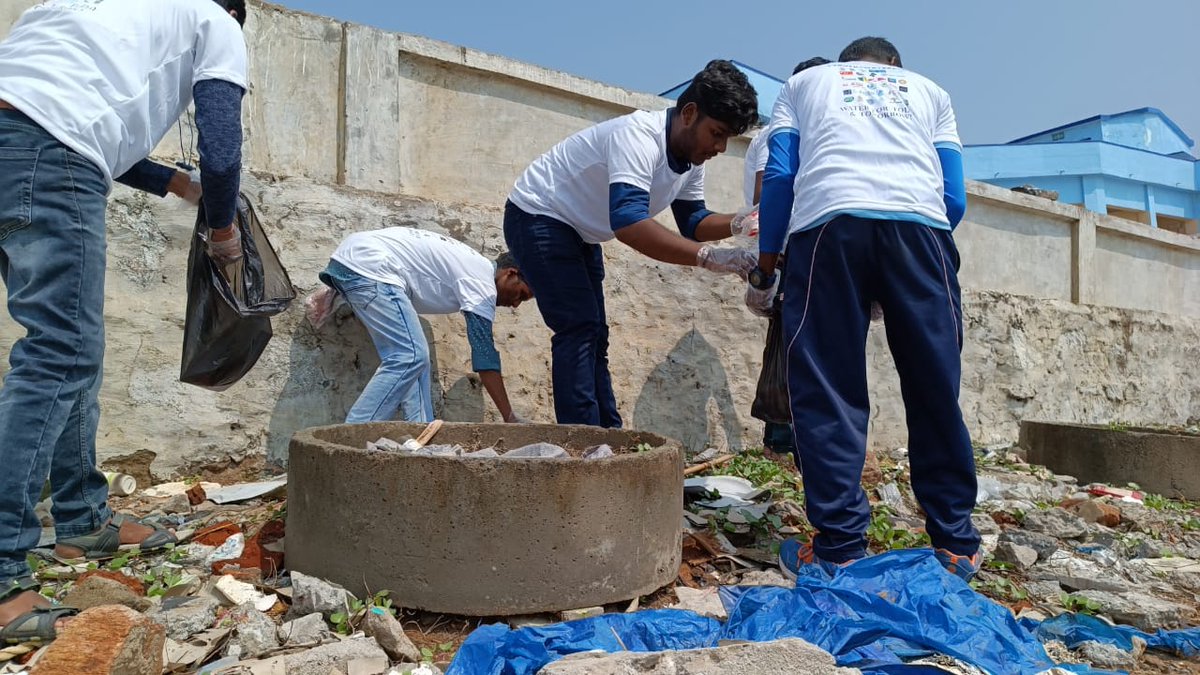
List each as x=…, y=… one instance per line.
x=110, y=639
x=129, y=582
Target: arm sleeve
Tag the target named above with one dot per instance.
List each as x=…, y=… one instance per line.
x=627, y=204
x=779, y=173
x=148, y=176
x=688, y=214
x=955, y=186
x=778, y=189
x=219, y=123
x=483, y=347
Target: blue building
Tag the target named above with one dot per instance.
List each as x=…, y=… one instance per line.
x=1135, y=165
x=768, y=88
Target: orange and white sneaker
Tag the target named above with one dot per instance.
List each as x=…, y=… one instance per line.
x=963, y=566
x=794, y=554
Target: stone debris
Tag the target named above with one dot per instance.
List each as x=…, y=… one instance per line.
x=1104, y=655
x=254, y=633
x=1022, y=557
x=1044, y=545
x=113, y=639
x=782, y=657
x=389, y=634
x=1140, y=610
x=306, y=631
x=98, y=591
x=703, y=601
x=1057, y=523
x=540, y=450
x=312, y=595
x=186, y=616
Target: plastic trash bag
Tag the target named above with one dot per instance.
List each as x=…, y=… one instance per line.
x=541, y=450
x=228, y=321
x=771, y=402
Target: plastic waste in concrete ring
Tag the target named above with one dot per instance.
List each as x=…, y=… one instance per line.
x=486, y=536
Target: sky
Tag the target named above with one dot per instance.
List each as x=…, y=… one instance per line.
x=1012, y=67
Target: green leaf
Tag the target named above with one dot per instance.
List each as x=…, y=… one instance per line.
x=427, y=653
x=337, y=617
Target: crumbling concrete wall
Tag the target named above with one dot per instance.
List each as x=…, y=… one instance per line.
x=324, y=162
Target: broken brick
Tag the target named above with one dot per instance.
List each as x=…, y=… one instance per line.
x=129, y=582
x=108, y=639
x=263, y=551
x=196, y=495
x=215, y=535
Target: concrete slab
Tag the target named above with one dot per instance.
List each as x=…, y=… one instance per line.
x=486, y=537
x=1161, y=462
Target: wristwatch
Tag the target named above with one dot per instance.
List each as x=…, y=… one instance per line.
x=759, y=278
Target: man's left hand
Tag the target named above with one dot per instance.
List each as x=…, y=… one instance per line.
x=761, y=302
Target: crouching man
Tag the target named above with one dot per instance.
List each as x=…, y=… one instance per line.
x=391, y=276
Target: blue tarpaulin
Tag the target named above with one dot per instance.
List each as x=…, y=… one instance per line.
x=874, y=615
x=1075, y=629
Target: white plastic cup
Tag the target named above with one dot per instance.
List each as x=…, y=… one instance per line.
x=120, y=484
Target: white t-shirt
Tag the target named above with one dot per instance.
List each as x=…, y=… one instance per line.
x=108, y=78
x=756, y=160
x=439, y=274
x=867, y=135
x=570, y=181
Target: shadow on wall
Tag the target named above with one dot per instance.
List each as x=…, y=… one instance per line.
x=674, y=402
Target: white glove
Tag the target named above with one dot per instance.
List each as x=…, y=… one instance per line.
x=745, y=222
x=726, y=260
x=761, y=302
x=227, y=251
x=516, y=418
x=193, y=192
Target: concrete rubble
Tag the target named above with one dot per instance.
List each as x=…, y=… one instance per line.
x=1055, y=546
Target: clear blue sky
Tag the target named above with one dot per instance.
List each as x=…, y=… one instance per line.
x=1013, y=67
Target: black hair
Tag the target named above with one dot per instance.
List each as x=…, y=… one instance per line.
x=722, y=92
x=871, y=48
x=811, y=63
x=238, y=6
x=506, y=261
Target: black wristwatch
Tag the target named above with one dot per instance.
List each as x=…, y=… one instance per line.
x=759, y=278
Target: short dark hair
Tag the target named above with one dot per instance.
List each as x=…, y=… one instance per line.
x=506, y=261
x=811, y=63
x=870, y=48
x=238, y=6
x=722, y=92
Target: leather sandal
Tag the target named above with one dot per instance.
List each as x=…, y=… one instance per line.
x=35, y=626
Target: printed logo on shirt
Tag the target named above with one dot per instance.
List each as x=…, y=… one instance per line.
x=70, y=5
x=877, y=96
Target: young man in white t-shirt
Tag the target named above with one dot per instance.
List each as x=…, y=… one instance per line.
x=87, y=89
x=864, y=177
x=606, y=182
x=393, y=275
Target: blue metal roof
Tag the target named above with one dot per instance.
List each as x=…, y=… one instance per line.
x=767, y=87
x=1154, y=111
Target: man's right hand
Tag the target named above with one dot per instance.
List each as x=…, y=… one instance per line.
x=726, y=260
x=225, y=245
x=516, y=418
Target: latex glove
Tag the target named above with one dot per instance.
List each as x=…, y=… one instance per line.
x=745, y=222
x=761, y=302
x=726, y=260
x=193, y=191
x=876, y=312
x=225, y=246
x=516, y=418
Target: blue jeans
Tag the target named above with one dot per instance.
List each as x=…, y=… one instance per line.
x=834, y=273
x=567, y=278
x=402, y=381
x=52, y=256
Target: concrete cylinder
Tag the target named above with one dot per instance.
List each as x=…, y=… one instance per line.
x=486, y=537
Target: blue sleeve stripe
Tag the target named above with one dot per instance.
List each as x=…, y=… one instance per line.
x=484, y=356
x=955, y=186
x=688, y=214
x=627, y=204
x=947, y=145
x=778, y=189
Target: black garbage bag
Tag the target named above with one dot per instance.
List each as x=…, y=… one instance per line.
x=771, y=402
x=229, y=310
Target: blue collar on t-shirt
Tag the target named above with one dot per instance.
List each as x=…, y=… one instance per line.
x=677, y=165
